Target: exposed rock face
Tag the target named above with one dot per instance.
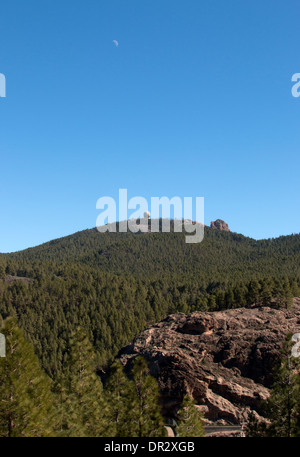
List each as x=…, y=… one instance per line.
x=223, y=359
x=219, y=225
x=10, y=279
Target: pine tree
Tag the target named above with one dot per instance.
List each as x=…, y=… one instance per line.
x=252, y=295
x=119, y=394
x=147, y=419
x=190, y=420
x=83, y=408
x=266, y=294
x=282, y=407
x=26, y=403
x=257, y=428
x=282, y=402
x=2, y=271
x=297, y=404
x=62, y=408
x=285, y=296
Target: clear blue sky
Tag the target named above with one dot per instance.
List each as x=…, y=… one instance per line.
x=195, y=101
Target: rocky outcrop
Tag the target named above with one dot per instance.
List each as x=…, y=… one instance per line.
x=10, y=279
x=219, y=225
x=224, y=360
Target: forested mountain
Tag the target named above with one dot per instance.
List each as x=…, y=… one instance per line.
x=116, y=284
x=220, y=256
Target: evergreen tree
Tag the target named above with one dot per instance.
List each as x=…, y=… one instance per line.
x=266, y=293
x=26, y=403
x=282, y=402
x=297, y=403
x=252, y=296
x=2, y=271
x=62, y=425
x=282, y=407
x=83, y=408
x=190, y=420
x=256, y=428
x=147, y=419
x=284, y=294
x=119, y=394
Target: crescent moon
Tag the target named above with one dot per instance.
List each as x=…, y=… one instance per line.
x=116, y=43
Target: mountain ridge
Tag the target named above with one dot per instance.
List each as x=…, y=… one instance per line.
x=130, y=253
x=216, y=225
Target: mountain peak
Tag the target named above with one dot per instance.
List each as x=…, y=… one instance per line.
x=219, y=225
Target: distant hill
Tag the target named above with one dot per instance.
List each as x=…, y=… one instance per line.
x=221, y=256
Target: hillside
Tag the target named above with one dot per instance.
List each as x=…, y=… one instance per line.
x=219, y=257
x=115, y=285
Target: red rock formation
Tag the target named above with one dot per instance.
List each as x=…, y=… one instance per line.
x=219, y=225
x=223, y=359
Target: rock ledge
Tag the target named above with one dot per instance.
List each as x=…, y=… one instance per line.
x=223, y=359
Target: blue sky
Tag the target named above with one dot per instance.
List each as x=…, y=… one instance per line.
x=195, y=101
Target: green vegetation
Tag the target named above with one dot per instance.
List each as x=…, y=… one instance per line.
x=26, y=401
x=282, y=409
x=80, y=394
x=114, y=285
x=79, y=299
x=220, y=257
x=76, y=404
x=119, y=395
x=148, y=421
x=190, y=420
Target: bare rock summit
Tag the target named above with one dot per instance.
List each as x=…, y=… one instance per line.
x=219, y=225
